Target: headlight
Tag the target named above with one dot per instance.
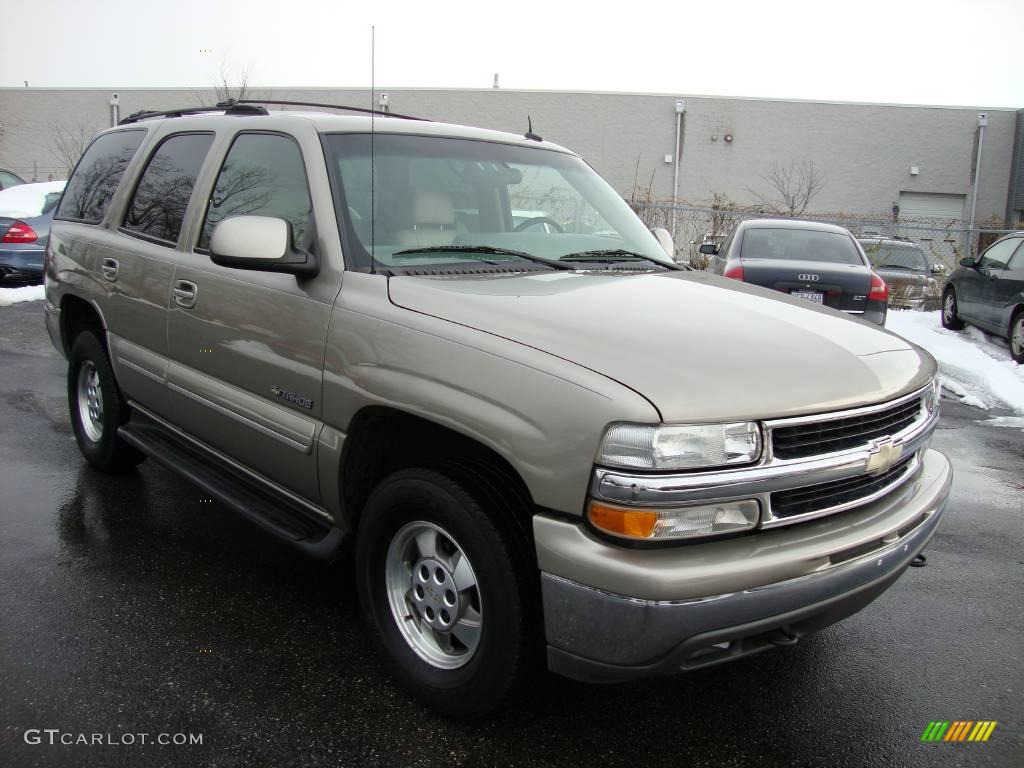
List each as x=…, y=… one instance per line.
x=675, y=522
x=932, y=395
x=679, y=446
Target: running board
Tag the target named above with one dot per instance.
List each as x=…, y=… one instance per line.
x=271, y=511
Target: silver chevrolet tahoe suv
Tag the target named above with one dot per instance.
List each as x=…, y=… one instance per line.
x=536, y=437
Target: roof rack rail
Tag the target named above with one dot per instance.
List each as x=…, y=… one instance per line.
x=287, y=103
x=227, y=107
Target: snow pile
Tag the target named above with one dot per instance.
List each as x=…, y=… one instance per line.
x=26, y=201
x=975, y=367
x=10, y=296
x=1014, y=422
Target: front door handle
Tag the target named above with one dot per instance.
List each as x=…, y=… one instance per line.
x=109, y=269
x=185, y=292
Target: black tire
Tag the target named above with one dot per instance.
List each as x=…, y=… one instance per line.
x=106, y=451
x=508, y=599
x=950, y=317
x=1016, y=336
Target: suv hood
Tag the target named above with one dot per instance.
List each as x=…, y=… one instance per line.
x=698, y=347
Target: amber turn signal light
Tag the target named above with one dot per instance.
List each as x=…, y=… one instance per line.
x=635, y=523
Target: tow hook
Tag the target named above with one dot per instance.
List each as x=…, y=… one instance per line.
x=782, y=636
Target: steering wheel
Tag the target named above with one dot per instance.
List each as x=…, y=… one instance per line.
x=538, y=220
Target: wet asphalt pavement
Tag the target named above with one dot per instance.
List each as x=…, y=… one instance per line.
x=129, y=606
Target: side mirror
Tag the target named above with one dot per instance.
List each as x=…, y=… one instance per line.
x=967, y=261
x=938, y=269
x=665, y=240
x=709, y=248
x=261, y=243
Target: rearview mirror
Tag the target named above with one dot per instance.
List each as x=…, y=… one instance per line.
x=938, y=269
x=709, y=248
x=967, y=261
x=261, y=243
x=665, y=239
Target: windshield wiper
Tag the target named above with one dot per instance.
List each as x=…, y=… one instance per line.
x=611, y=255
x=486, y=250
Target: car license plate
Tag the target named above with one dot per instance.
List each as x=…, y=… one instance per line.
x=815, y=297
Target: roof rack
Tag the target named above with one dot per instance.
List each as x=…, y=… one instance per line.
x=362, y=110
x=227, y=107
x=254, y=107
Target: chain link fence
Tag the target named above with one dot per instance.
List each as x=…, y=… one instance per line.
x=944, y=241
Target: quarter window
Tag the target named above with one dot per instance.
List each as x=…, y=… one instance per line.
x=263, y=175
x=158, y=206
x=92, y=186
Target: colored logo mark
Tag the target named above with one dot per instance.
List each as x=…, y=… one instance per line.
x=958, y=730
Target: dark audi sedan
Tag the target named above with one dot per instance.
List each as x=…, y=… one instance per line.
x=820, y=263
x=989, y=292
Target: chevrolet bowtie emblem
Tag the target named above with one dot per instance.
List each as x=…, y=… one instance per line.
x=883, y=455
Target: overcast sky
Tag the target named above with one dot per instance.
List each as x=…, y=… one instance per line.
x=964, y=53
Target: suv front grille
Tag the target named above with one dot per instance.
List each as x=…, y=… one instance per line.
x=802, y=440
x=823, y=496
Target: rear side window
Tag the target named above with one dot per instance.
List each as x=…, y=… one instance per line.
x=158, y=206
x=262, y=175
x=8, y=179
x=95, y=180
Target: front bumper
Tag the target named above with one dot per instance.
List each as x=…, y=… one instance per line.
x=613, y=613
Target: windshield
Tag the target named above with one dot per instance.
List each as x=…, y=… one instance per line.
x=431, y=201
x=896, y=256
x=799, y=245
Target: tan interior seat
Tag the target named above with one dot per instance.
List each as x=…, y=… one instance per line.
x=433, y=220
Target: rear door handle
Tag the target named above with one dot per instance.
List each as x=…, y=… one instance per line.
x=185, y=292
x=109, y=269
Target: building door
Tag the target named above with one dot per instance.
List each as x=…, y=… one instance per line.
x=932, y=205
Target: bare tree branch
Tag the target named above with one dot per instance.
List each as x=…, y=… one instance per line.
x=793, y=187
x=225, y=90
x=70, y=140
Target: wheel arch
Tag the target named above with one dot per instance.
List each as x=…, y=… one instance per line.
x=78, y=315
x=382, y=440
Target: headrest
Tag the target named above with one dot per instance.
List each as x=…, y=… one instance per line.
x=430, y=206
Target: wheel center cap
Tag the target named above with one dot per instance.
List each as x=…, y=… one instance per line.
x=434, y=594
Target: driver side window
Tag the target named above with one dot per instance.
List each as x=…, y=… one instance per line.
x=998, y=254
x=1017, y=262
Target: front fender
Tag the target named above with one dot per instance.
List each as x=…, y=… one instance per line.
x=542, y=414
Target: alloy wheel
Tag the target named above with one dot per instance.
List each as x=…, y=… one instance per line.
x=433, y=594
x=90, y=401
x=949, y=308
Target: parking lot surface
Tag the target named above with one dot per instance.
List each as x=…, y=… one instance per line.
x=129, y=605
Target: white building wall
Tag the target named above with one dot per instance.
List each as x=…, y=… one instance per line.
x=863, y=151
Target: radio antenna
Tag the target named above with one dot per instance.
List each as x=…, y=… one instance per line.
x=373, y=167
